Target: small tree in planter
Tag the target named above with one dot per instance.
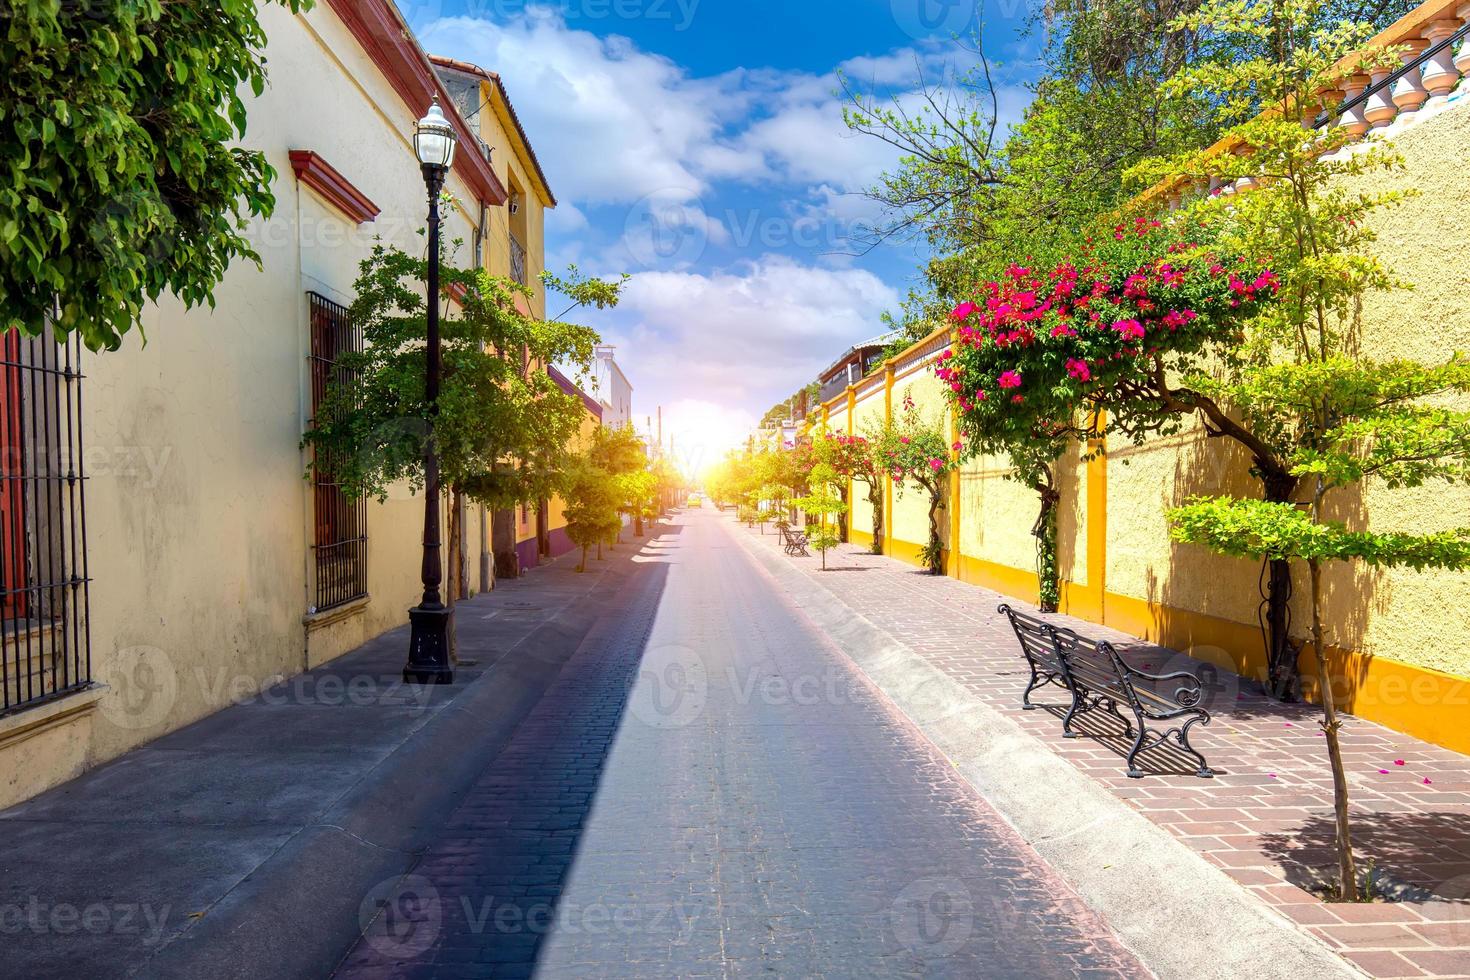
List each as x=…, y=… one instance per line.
x=1302, y=386
x=822, y=502
x=917, y=451
x=591, y=505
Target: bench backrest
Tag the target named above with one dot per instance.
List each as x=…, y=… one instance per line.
x=1096, y=665
x=1038, y=638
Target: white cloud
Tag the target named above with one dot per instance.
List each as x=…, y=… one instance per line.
x=745, y=336
x=611, y=122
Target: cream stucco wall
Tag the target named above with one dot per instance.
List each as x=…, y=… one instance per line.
x=198, y=514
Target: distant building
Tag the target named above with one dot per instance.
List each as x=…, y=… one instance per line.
x=614, y=391
x=852, y=366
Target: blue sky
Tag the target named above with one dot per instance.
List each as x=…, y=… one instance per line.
x=699, y=146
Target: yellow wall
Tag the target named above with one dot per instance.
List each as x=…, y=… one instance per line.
x=514, y=169
x=1397, y=637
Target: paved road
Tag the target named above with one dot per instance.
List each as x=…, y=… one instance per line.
x=708, y=790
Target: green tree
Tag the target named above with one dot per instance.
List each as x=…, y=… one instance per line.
x=591, y=504
x=121, y=182
x=501, y=425
x=823, y=502
x=1331, y=416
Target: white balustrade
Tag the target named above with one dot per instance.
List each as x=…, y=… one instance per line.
x=1380, y=109
x=1354, y=120
x=1440, y=74
x=1409, y=93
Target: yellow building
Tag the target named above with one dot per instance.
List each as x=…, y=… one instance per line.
x=163, y=555
x=1398, y=649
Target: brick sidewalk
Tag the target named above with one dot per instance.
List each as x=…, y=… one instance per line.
x=1266, y=819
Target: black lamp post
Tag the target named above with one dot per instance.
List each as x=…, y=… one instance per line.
x=430, y=622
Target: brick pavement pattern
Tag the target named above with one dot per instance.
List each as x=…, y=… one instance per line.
x=1266, y=819
x=708, y=790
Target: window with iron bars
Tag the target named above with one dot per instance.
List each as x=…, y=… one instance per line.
x=45, y=637
x=340, y=544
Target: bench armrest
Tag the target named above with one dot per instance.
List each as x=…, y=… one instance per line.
x=1188, y=694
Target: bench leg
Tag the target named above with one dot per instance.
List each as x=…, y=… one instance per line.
x=1133, y=771
x=1036, y=682
x=1078, y=699
x=1204, y=771
x=1112, y=707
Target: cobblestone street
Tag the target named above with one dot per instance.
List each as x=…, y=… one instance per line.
x=1265, y=820
x=708, y=789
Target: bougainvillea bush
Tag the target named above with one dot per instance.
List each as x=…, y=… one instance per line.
x=853, y=458
x=1037, y=347
x=1039, y=352
x=917, y=451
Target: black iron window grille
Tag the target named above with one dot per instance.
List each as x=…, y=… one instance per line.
x=45, y=637
x=340, y=544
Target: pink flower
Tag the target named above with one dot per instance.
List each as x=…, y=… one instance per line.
x=1428, y=781
x=1079, y=369
x=963, y=311
x=1009, y=379
x=936, y=465
x=1399, y=762
x=904, y=440
x=957, y=446
x=1129, y=329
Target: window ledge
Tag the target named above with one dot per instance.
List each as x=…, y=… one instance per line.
x=23, y=723
x=336, y=614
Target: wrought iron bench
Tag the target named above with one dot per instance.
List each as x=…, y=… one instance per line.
x=1097, y=677
x=1101, y=678
x=1039, y=645
x=794, y=541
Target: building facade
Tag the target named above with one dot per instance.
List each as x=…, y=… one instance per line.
x=166, y=554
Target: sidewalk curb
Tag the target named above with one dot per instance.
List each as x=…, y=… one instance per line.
x=1183, y=917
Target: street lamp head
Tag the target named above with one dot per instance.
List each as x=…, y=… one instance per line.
x=433, y=138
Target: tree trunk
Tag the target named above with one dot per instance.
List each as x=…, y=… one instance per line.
x=638, y=524
x=503, y=541
x=936, y=545
x=842, y=518
x=583, y=567
x=1282, y=671
x=875, y=501
x=1347, y=866
x=1045, y=530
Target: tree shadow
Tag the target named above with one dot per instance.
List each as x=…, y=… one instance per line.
x=1112, y=732
x=1420, y=858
